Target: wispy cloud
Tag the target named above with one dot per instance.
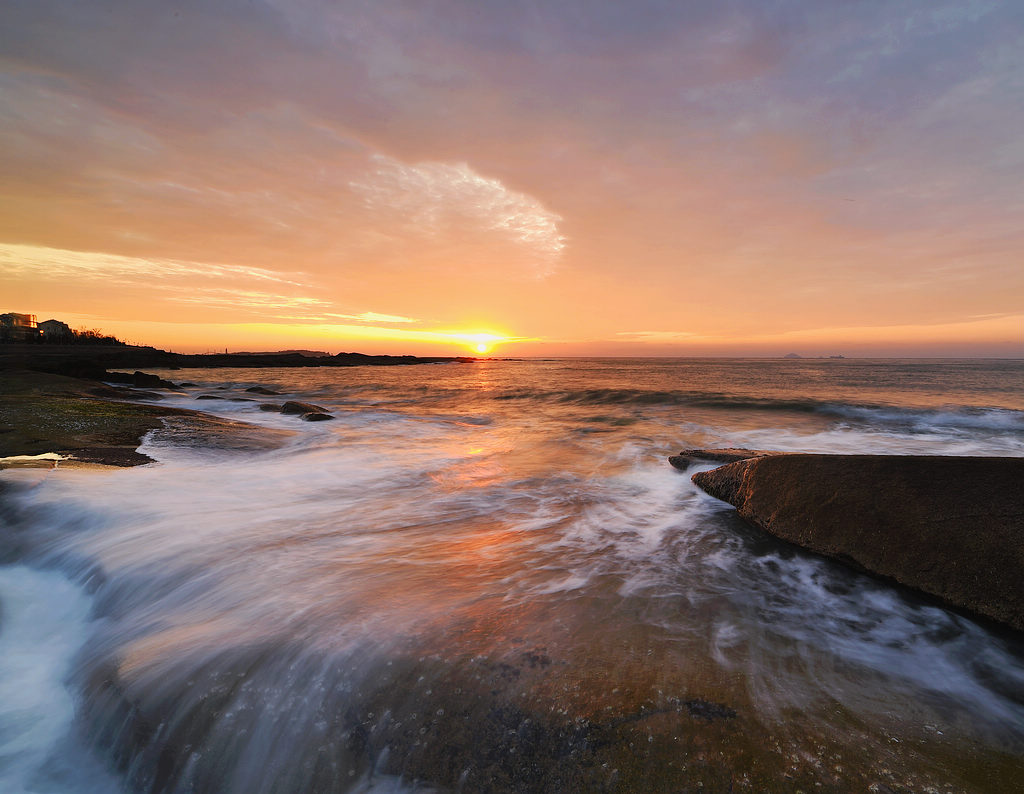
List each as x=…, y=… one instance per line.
x=246, y=299
x=197, y=284
x=372, y=317
x=39, y=263
x=657, y=336
x=434, y=198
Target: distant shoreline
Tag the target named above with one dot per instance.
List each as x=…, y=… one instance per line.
x=92, y=360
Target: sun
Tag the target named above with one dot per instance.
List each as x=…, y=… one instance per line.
x=479, y=342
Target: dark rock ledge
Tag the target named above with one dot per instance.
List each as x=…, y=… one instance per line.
x=951, y=527
x=689, y=457
x=89, y=422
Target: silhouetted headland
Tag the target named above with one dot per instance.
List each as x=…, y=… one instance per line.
x=93, y=360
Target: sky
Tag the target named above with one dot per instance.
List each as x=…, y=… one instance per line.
x=567, y=177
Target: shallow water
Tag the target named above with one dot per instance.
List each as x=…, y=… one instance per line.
x=487, y=577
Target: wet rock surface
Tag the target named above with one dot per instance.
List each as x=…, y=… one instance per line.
x=689, y=457
x=475, y=724
x=316, y=416
x=294, y=407
x=951, y=527
x=91, y=422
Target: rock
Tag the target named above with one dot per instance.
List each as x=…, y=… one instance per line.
x=209, y=397
x=261, y=390
x=146, y=381
x=204, y=432
x=270, y=407
x=291, y=407
x=316, y=417
x=951, y=527
x=688, y=457
x=139, y=394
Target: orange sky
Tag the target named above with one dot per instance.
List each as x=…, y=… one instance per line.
x=567, y=178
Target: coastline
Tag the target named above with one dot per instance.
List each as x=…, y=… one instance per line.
x=88, y=423
x=57, y=399
x=430, y=543
x=92, y=360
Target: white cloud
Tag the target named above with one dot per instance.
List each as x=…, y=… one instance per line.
x=212, y=286
x=657, y=336
x=225, y=298
x=373, y=317
x=29, y=261
x=433, y=198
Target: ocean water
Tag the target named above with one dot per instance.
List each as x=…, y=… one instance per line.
x=487, y=577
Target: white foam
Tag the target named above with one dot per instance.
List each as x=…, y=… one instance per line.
x=872, y=441
x=44, y=622
x=395, y=520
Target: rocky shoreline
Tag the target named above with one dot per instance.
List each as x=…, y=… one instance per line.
x=62, y=399
x=89, y=422
x=949, y=527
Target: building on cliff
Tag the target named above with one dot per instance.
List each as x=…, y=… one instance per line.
x=16, y=327
x=54, y=329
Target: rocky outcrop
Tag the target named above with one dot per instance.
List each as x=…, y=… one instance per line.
x=295, y=407
x=951, y=527
x=688, y=457
x=89, y=422
x=142, y=380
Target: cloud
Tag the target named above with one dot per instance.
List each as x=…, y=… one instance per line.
x=56, y=264
x=198, y=284
x=750, y=164
x=434, y=199
x=226, y=298
x=657, y=336
x=372, y=317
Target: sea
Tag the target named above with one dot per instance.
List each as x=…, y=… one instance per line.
x=486, y=577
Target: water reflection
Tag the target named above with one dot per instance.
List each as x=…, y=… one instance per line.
x=447, y=587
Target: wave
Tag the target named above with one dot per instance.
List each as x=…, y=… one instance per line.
x=924, y=420
x=915, y=418
x=609, y=396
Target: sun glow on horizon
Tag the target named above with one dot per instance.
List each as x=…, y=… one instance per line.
x=200, y=337
x=483, y=342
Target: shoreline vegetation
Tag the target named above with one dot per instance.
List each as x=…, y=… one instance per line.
x=949, y=527
x=61, y=399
